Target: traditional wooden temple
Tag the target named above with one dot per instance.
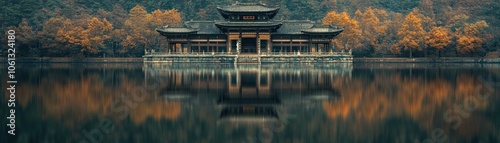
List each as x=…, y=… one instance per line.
x=248, y=30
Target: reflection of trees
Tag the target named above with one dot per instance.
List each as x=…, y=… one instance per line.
x=377, y=106
x=157, y=110
x=366, y=103
x=81, y=95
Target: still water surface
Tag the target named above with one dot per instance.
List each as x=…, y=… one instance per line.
x=309, y=103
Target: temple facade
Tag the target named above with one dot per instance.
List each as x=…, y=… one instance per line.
x=249, y=34
x=248, y=29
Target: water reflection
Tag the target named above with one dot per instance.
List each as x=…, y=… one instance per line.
x=250, y=94
x=257, y=103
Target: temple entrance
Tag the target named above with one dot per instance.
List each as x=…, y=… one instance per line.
x=248, y=45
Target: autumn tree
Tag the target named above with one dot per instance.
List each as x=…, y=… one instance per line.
x=94, y=36
x=469, y=37
x=47, y=37
x=138, y=32
x=158, y=19
x=391, y=39
x=438, y=38
x=411, y=34
x=136, y=27
x=25, y=39
x=373, y=29
x=71, y=36
x=350, y=38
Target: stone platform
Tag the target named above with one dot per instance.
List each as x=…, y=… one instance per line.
x=330, y=57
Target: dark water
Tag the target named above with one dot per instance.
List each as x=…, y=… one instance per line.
x=309, y=103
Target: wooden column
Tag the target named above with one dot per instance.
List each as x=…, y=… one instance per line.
x=300, y=46
x=228, y=43
x=208, y=46
x=309, y=45
x=189, y=45
x=168, y=45
x=266, y=37
x=269, y=42
x=331, y=44
x=328, y=47
x=238, y=44
x=281, y=47
x=258, y=42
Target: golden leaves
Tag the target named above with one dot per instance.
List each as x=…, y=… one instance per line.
x=156, y=110
x=139, y=27
x=96, y=33
x=93, y=34
x=372, y=101
x=351, y=36
x=373, y=28
x=467, y=44
x=411, y=33
x=438, y=37
x=469, y=37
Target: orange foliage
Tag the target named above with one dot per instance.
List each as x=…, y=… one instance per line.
x=140, y=27
x=351, y=36
x=466, y=44
x=76, y=101
x=157, y=110
x=49, y=33
x=371, y=102
x=373, y=29
x=96, y=33
x=469, y=38
x=438, y=37
x=411, y=33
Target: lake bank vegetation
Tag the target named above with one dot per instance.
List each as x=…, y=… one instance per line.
x=376, y=28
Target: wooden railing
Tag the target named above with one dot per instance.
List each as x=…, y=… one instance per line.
x=262, y=54
x=308, y=53
x=190, y=53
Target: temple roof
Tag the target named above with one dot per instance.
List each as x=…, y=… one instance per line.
x=306, y=27
x=294, y=26
x=323, y=30
x=248, y=7
x=175, y=29
x=204, y=27
x=248, y=24
x=287, y=27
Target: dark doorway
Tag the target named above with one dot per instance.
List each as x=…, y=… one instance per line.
x=249, y=45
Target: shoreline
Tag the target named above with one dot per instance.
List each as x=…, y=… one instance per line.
x=427, y=60
x=354, y=60
x=74, y=60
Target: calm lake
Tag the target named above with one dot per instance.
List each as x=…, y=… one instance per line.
x=216, y=103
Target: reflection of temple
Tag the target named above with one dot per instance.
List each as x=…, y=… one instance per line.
x=248, y=114
x=249, y=98
x=248, y=93
x=247, y=80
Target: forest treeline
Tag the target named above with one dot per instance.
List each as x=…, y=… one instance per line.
x=375, y=28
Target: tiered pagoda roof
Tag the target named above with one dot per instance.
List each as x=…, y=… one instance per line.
x=245, y=8
x=286, y=27
x=290, y=27
x=248, y=7
x=175, y=30
x=226, y=26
